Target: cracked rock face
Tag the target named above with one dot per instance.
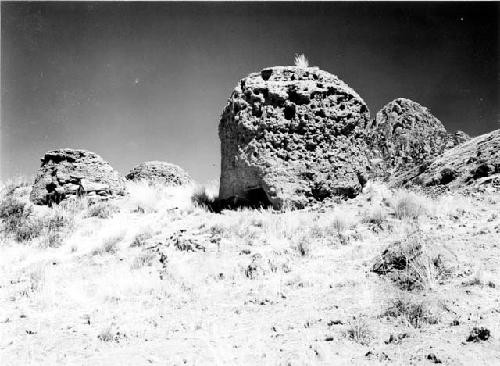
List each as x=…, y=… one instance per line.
x=403, y=137
x=292, y=135
x=159, y=172
x=67, y=172
x=476, y=162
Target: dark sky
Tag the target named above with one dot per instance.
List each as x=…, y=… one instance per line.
x=148, y=81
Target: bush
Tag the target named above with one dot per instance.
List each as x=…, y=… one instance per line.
x=414, y=312
x=408, y=205
x=18, y=219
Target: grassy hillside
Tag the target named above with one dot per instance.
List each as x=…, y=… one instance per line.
x=391, y=277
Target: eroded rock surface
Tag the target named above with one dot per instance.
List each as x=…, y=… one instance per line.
x=475, y=162
x=159, y=172
x=69, y=172
x=404, y=136
x=292, y=135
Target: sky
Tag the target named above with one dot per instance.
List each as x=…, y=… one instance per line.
x=148, y=81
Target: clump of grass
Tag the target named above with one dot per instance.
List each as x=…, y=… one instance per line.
x=142, y=260
x=408, y=205
x=37, y=278
x=102, y=210
x=375, y=216
x=141, y=239
x=339, y=225
x=202, y=197
x=55, y=226
x=106, y=335
x=359, y=331
x=19, y=220
x=303, y=245
x=301, y=61
x=109, y=246
x=413, y=311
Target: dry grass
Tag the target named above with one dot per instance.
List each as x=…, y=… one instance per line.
x=412, y=310
x=301, y=61
x=109, y=245
x=408, y=205
x=235, y=287
x=359, y=331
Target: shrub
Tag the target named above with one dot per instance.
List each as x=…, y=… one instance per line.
x=408, y=205
x=19, y=220
x=414, y=312
x=28, y=229
x=11, y=189
x=447, y=175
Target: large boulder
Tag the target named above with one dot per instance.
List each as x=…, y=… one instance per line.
x=474, y=163
x=403, y=137
x=292, y=135
x=69, y=172
x=159, y=172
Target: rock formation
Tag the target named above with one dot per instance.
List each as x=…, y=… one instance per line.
x=69, y=172
x=159, y=172
x=403, y=137
x=292, y=135
x=474, y=162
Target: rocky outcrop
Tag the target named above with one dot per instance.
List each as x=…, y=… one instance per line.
x=475, y=162
x=403, y=137
x=159, y=172
x=68, y=172
x=292, y=135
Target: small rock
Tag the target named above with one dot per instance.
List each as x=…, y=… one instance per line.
x=432, y=357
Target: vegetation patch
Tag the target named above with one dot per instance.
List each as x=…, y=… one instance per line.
x=102, y=210
x=412, y=311
x=408, y=205
x=19, y=219
x=413, y=263
x=359, y=331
